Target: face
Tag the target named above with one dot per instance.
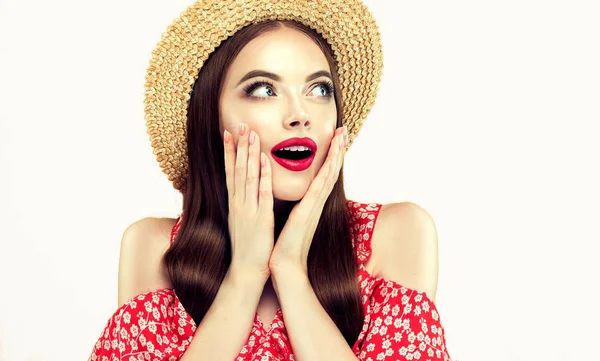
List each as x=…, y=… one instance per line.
x=294, y=101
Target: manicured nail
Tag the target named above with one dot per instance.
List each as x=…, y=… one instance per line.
x=263, y=159
x=226, y=136
x=252, y=137
x=242, y=128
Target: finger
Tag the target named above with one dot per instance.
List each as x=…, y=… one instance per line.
x=339, y=158
x=253, y=169
x=241, y=164
x=229, y=150
x=323, y=183
x=265, y=190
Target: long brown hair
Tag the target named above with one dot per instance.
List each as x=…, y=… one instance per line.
x=201, y=254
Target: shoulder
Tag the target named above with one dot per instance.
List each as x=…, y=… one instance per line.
x=143, y=245
x=405, y=248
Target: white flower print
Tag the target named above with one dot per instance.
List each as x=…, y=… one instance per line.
x=417, y=310
x=403, y=351
x=134, y=330
x=398, y=322
x=385, y=309
x=127, y=317
x=383, y=330
x=397, y=336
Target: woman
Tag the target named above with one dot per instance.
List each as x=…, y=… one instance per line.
x=266, y=233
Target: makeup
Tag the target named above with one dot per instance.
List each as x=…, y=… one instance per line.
x=295, y=154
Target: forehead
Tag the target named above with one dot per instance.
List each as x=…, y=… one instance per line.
x=286, y=52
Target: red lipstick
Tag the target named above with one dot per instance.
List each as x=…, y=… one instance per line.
x=295, y=165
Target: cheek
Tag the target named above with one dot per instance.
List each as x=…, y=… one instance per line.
x=257, y=117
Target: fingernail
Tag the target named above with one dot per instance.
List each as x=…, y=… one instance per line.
x=252, y=137
x=242, y=128
x=341, y=141
x=226, y=136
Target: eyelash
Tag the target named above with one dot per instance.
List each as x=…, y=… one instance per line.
x=251, y=87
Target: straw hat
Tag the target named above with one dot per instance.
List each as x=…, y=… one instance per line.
x=347, y=25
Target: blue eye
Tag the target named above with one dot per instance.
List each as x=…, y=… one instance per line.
x=328, y=86
x=249, y=89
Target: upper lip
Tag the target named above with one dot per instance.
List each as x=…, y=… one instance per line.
x=307, y=142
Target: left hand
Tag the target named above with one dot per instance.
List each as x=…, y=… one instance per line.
x=293, y=244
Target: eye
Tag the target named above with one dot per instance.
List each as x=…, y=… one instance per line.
x=324, y=89
x=261, y=84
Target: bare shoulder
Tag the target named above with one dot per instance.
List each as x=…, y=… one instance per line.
x=405, y=247
x=143, y=245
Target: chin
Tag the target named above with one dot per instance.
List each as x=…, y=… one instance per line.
x=290, y=194
x=290, y=188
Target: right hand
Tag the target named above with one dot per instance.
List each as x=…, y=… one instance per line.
x=251, y=219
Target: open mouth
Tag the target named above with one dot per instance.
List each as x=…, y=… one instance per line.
x=293, y=153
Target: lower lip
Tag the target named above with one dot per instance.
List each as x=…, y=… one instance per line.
x=294, y=165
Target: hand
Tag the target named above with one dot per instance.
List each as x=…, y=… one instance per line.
x=251, y=220
x=296, y=236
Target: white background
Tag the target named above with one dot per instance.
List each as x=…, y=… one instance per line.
x=487, y=117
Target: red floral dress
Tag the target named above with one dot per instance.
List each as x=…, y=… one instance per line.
x=400, y=323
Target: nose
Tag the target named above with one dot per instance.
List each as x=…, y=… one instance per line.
x=297, y=116
x=301, y=119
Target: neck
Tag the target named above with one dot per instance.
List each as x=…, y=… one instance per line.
x=281, y=212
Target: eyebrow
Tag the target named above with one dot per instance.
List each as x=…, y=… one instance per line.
x=266, y=74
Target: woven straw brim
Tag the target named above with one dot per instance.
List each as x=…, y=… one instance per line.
x=347, y=25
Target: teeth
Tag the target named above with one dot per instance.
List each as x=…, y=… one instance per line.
x=296, y=148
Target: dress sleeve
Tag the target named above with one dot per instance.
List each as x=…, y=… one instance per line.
x=403, y=324
x=151, y=326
